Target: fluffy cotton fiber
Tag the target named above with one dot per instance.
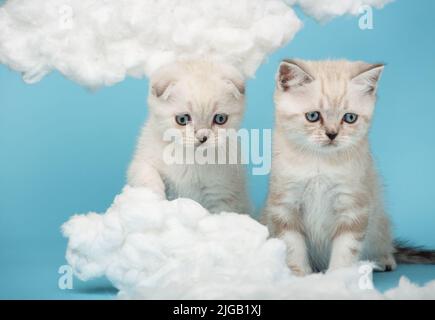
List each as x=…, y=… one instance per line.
x=100, y=42
x=325, y=10
x=151, y=248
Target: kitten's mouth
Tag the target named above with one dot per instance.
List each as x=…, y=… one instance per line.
x=330, y=144
x=200, y=144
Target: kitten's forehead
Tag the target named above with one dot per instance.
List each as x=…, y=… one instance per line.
x=201, y=108
x=201, y=97
x=199, y=84
x=207, y=93
x=334, y=69
x=332, y=81
x=333, y=93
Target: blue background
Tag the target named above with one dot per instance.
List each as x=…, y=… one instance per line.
x=65, y=150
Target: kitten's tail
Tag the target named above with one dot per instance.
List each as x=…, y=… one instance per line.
x=405, y=253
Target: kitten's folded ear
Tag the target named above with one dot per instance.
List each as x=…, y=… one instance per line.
x=235, y=79
x=161, y=87
x=163, y=79
x=291, y=75
x=368, y=77
x=238, y=86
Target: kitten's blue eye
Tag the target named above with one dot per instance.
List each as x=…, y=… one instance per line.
x=313, y=116
x=183, y=119
x=220, y=118
x=350, y=117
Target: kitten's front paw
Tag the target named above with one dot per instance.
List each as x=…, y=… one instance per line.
x=300, y=270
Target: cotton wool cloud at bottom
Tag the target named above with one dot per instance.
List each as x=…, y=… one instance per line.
x=151, y=248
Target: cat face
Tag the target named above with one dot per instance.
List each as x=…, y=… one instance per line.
x=199, y=99
x=326, y=105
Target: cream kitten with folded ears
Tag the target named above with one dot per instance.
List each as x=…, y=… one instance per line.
x=199, y=99
x=324, y=198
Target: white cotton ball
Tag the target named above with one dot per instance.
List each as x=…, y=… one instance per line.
x=188, y=212
x=83, y=230
x=140, y=216
x=406, y=290
x=100, y=42
x=192, y=254
x=92, y=239
x=138, y=209
x=83, y=233
x=326, y=10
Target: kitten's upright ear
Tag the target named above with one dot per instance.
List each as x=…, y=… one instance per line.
x=368, y=77
x=291, y=75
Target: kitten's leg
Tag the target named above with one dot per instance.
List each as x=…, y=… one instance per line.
x=142, y=174
x=230, y=193
x=240, y=202
x=286, y=224
x=347, y=240
x=379, y=243
x=232, y=206
x=297, y=255
x=219, y=205
x=227, y=203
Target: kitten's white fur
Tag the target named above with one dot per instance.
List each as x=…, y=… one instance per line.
x=324, y=199
x=201, y=89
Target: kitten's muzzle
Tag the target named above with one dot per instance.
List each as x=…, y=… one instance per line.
x=202, y=135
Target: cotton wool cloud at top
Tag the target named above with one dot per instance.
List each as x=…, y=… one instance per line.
x=100, y=42
x=325, y=10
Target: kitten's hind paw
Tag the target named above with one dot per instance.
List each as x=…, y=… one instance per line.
x=385, y=264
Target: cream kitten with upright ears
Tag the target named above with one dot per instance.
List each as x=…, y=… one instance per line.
x=200, y=99
x=324, y=198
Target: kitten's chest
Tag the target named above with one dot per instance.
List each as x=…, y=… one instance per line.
x=318, y=195
x=319, y=192
x=317, y=211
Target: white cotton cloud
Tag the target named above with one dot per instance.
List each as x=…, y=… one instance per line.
x=100, y=42
x=325, y=10
x=151, y=249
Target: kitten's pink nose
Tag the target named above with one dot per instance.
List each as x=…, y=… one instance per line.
x=331, y=135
